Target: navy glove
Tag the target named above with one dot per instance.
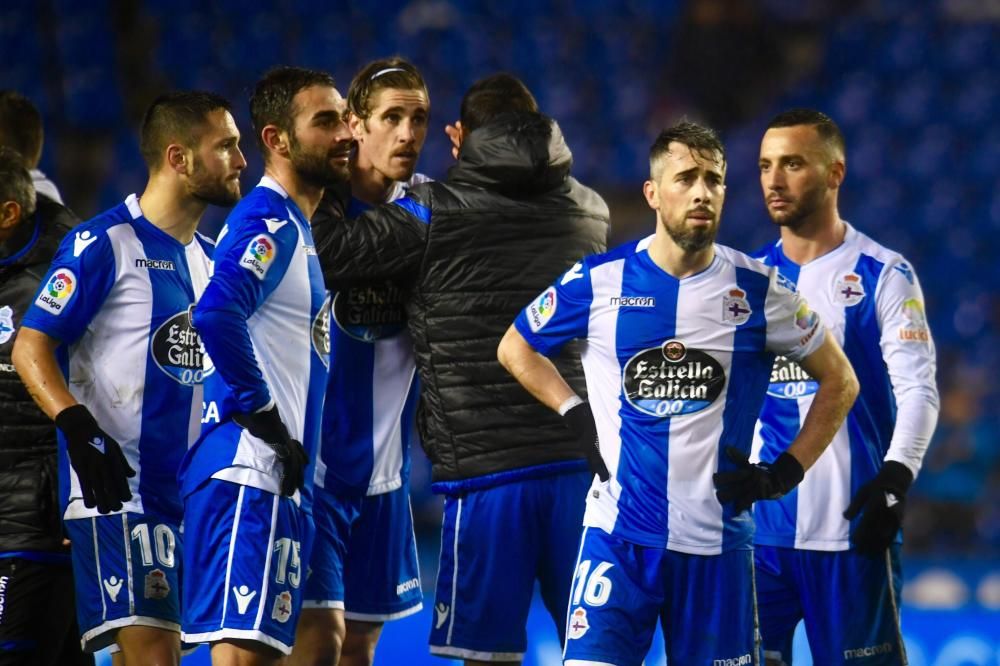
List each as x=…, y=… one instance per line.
x=752, y=482
x=880, y=503
x=97, y=460
x=268, y=426
x=580, y=420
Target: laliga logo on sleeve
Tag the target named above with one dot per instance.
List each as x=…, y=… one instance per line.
x=849, y=290
x=57, y=291
x=6, y=324
x=259, y=255
x=542, y=309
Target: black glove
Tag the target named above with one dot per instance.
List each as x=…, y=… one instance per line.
x=880, y=503
x=752, y=482
x=268, y=426
x=580, y=420
x=97, y=459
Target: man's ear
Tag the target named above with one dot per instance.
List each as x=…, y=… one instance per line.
x=275, y=139
x=649, y=190
x=10, y=215
x=177, y=159
x=356, y=125
x=835, y=174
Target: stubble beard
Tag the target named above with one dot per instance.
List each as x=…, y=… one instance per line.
x=212, y=192
x=314, y=168
x=691, y=240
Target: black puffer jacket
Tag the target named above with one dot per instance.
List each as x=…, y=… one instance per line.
x=29, y=507
x=471, y=252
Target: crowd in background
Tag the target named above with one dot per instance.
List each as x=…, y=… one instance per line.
x=914, y=85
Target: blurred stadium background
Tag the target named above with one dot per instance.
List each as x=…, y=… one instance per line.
x=913, y=83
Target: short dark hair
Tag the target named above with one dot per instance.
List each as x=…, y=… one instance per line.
x=175, y=117
x=825, y=127
x=698, y=138
x=496, y=94
x=379, y=75
x=272, y=100
x=15, y=181
x=21, y=126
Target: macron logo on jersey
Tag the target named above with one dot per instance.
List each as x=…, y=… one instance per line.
x=82, y=242
x=572, y=274
x=273, y=224
x=259, y=255
x=57, y=291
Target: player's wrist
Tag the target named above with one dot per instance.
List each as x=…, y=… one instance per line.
x=896, y=476
x=76, y=419
x=788, y=471
x=569, y=403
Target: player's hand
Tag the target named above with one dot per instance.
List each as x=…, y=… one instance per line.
x=97, y=459
x=880, y=503
x=756, y=481
x=268, y=426
x=580, y=420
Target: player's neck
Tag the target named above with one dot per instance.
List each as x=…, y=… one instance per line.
x=369, y=184
x=305, y=195
x=676, y=261
x=814, y=237
x=170, y=210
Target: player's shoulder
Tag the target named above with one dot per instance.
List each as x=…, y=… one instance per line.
x=738, y=259
x=263, y=211
x=93, y=235
x=206, y=244
x=628, y=250
x=870, y=249
x=769, y=253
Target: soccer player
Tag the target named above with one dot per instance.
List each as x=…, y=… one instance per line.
x=829, y=552
x=108, y=351
x=264, y=320
x=364, y=558
x=680, y=336
x=471, y=249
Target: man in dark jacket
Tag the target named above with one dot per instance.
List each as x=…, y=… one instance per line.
x=470, y=252
x=37, y=621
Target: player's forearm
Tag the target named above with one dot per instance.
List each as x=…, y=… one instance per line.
x=916, y=418
x=227, y=341
x=34, y=359
x=533, y=371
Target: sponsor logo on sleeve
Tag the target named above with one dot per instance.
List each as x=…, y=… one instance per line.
x=178, y=350
x=57, y=291
x=849, y=290
x=273, y=224
x=578, y=624
x=806, y=320
x=672, y=380
x=541, y=309
x=735, y=307
x=905, y=270
x=574, y=273
x=6, y=324
x=784, y=282
x=259, y=255
x=915, y=329
x=82, y=241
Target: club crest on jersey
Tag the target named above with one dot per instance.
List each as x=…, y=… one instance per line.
x=735, y=307
x=672, y=380
x=370, y=313
x=282, y=608
x=57, y=291
x=578, y=624
x=789, y=380
x=541, y=309
x=915, y=329
x=178, y=351
x=259, y=255
x=321, y=332
x=849, y=290
x=156, y=585
x=6, y=324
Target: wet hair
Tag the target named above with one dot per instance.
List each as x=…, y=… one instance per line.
x=386, y=73
x=175, y=117
x=828, y=130
x=15, y=181
x=272, y=101
x=492, y=96
x=699, y=138
x=21, y=126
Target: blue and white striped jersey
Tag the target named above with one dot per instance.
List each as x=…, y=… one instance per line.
x=264, y=319
x=871, y=300
x=118, y=297
x=369, y=420
x=676, y=370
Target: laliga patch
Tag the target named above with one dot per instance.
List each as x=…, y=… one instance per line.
x=542, y=309
x=57, y=291
x=735, y=307
x=578, y=624
x=156, y=586
x=6, y=324
x=915, y=329
x=259, y=255
x=849, y=290
x=282, y=608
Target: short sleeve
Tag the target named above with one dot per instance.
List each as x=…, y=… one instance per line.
x=560, y=313
x=78, y=282
x=793, y=329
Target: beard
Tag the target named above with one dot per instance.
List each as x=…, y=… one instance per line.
x=808, y=203
x=212, y=189
x=691, y=239
x=316, y=166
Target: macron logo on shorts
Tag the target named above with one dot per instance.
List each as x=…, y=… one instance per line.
x=244, y=595
x=113, y=586
x=441, y=611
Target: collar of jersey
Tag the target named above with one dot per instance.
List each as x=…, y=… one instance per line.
x=709, y=270
x=132, y=203
x=849, y=236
